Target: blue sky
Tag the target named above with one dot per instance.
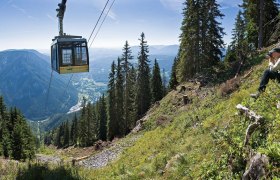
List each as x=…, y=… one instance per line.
x=31, y=24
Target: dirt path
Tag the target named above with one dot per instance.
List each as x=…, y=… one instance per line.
x=99, y=159
x=104, y=157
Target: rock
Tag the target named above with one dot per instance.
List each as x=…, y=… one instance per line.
x=172, y=162
x=162, y=120
x=257, y=167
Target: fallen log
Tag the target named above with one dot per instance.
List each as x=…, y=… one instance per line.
x=257, y=120
x=78, y=159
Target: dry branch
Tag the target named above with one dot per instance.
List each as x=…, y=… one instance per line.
x=256, y=121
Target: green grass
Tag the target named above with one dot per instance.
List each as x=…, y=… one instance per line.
x=204, y=139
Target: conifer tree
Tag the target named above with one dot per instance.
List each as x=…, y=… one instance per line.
x=253, y=14
x=90, y=125
x=164, y=83
x=211, y=50
x=201, y=38
x=143, y=91
x=112, y=123
x=120, y=99
x=74, y=130
x=66, y=135
x=238, y=45
x=59, y=137
x=156, y=84
x=131, y=98
x=103, y=119
x=16, y=138
x=173, y=83
x=189, y=41
x=82, y=140
x=126, y=66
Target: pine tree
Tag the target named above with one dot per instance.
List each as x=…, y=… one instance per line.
x=6, y=141
x=91, y=128
x=66, y=135
x=237, y=47
x=83, y=128
x=254, y=15
x=201, y=38
x=189, y=41
x=211, y=50
x=132, y=78
x=59, y=137
x=112, y=123
x=173, y=83
x=156, y=84
x=143, y=91
x=120, y=99
x=16, y=138
x=164, y=82
x=74, y=130
x=103, y=119
x=126, y=66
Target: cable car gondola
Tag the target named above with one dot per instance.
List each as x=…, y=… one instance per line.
x=69, y=54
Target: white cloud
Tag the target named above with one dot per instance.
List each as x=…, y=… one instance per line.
x=19, y=9
x=175, y=5
x=51, y=17
x=100, y=5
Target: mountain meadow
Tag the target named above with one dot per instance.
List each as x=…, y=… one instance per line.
x=196, y=110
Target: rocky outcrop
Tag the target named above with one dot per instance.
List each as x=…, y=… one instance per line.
x=257, y=167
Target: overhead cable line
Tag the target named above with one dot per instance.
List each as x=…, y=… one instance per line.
x=98, y=20
x=102, y=22
x=48, y=92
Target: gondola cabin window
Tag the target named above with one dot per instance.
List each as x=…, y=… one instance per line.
x=66, y=57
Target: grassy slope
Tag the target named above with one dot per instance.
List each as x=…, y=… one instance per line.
x=204, y=139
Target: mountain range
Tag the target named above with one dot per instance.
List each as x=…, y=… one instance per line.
x=24, y=83
x=25, y=79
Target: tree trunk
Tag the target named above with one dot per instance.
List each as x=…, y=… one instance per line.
x=260, y=36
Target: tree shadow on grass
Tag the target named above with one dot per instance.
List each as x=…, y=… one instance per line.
x=44, y=172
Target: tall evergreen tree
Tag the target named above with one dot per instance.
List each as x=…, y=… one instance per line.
x=16, y=138
x=126, y=66
x=74, y=130
x=189, y=41
x=103, y=119
x=83, y=129
x=237, y=47
x=156, y=84
x=66, y=135
x=112, y=123
x=164, y=82
x=120, y=99
x=132, y=78
x=143, y=91
x=201, y=38
x=173, y=82
x=211, y=50
x=254, y=12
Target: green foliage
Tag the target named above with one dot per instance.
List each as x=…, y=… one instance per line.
x=34, y=172
x=17, y=140
x=173, y=79
x=156, y=83
x=143, y=90
x=201, y=38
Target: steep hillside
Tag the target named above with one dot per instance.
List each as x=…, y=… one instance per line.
x=25, y=77
x=194, y=133
x=203, y=139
